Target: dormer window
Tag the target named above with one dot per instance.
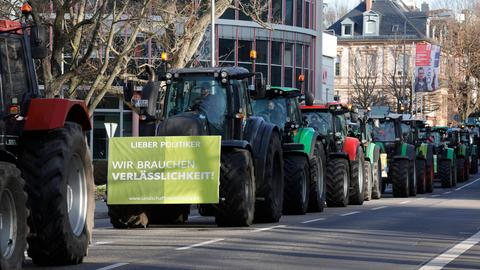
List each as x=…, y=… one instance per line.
x=347, y=27
x=371, y=23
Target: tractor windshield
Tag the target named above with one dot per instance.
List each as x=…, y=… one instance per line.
x=383, y=131
x=13, y=71
x=199, y=94
x=272, y=110
x=320, y=121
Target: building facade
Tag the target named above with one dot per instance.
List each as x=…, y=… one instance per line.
x=376, y=54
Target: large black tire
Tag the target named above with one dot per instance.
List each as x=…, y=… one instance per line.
x=297, y=181
x=461, y=170
x=237, y=189
x=430, y=179
x=412, y=174
x=128, y=216
x=400, y=177
x=269, y=203
x=168, y=213
x=377, y=180
x=421, y=176
x=368, y=181
x=474, y=165
x=445, y=173
x=338, y=178
x=357, y=179
x=318, y=193
x=59, y=182
x=13, y=211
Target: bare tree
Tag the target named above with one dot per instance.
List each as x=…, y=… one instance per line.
x=364, y=80
x=334, y=12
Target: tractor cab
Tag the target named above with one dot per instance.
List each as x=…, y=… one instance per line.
x=412, y=129
x=330, y=121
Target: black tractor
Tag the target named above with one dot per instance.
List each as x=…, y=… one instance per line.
x=216, y=101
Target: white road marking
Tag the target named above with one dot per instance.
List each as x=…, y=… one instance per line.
x=112, y=266
x=100, y=243
x=447, y=192
x=464, y=186
x=423, y=198
x=269, y=228
x=404, y=202
x=436, y=195
x=313, y=220
x=193, y=217
x=443, y=259
x=378, y=208
x=201, y=244
x=351, y=213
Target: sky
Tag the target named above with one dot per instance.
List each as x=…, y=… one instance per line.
x=353, y=3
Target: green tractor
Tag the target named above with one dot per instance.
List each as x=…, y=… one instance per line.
x=411, y=129
x=444, y=158
x=373, y=166
x=345, y=156
x=460, y=141
x=469, y=135
x=398, y=158
x=303, y=154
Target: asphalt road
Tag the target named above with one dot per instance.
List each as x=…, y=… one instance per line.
x=431, y=231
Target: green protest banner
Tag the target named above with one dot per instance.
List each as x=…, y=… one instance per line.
x=164, y=170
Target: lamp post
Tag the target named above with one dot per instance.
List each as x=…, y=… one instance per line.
x=213, y=34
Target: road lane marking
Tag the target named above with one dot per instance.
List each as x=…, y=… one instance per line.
x=112, y=266
x=443, y=259
x=351, y=213
x=269, y=228
x=100, y=243
x=436, y=195
x=423, y=198
x=447, y=192
x=201, y=244
x=464, y=186
x=378, y=208
x=313, y=220
x=404, y=202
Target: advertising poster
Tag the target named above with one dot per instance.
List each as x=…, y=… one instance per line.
x=427, y=63
x=164, y=170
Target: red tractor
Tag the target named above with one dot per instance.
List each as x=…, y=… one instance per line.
x=46, y=178
x=345, y=157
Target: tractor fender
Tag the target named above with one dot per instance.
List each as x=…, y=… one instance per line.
x=52, y=113
x=238, y=144
x=350, y=147
x=401, y=158
x=408, y=151
x=307, y=137
x=295, y=153
x=258, y=133
x=373, y=153
x=293, y=147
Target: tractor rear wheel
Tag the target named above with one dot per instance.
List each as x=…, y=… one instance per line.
x=421, y=176
x=128, y=216
x=474, y=165
x=446, y=173
x=59, y=182
x=357, y=179
x=412, y=185
x=461, y=170
x=268, y=208
x=317, y=195
x=338, y=178
x=430, y=179
x=237, y=189
x=400, y=177
x=368, y=181
x=297, y=179
x=13, y=221
x=377, y=180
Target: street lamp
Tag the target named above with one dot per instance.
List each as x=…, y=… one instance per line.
x=212, y=52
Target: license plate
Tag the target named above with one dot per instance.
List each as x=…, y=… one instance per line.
x=140, y=103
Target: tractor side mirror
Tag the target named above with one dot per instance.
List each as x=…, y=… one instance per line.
x=309, y=99
x=150, y=94
x=259, y=86
x=38, y=44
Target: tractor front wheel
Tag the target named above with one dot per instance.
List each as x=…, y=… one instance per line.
x=297, y=178
x=446, y=173
x=317, y=179
x=400, y=177
x=421, y=176
x=357, y=180
x=338, y=178
x=377, y=180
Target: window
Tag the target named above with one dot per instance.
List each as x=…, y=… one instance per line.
x=262, y=51
x=289, y=12
x=277, y=11
x=298, y=55
x=288, y=56
x=276, y=53
x=244, y=48
x=307, y=15
x=288, y=77
x=229, y=14
x=299, y=13
x=242, y=16
x=371, y=27
x=226, y=49
x=337, y=68
x=347, y=30
x=276, y=79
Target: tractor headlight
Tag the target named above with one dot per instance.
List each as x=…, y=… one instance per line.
x=168, y=76
x=223, y=74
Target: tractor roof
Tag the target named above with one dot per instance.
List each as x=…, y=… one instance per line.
x=236, y=72
x=385, y=116
x=276, y=91
x=326, y=106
